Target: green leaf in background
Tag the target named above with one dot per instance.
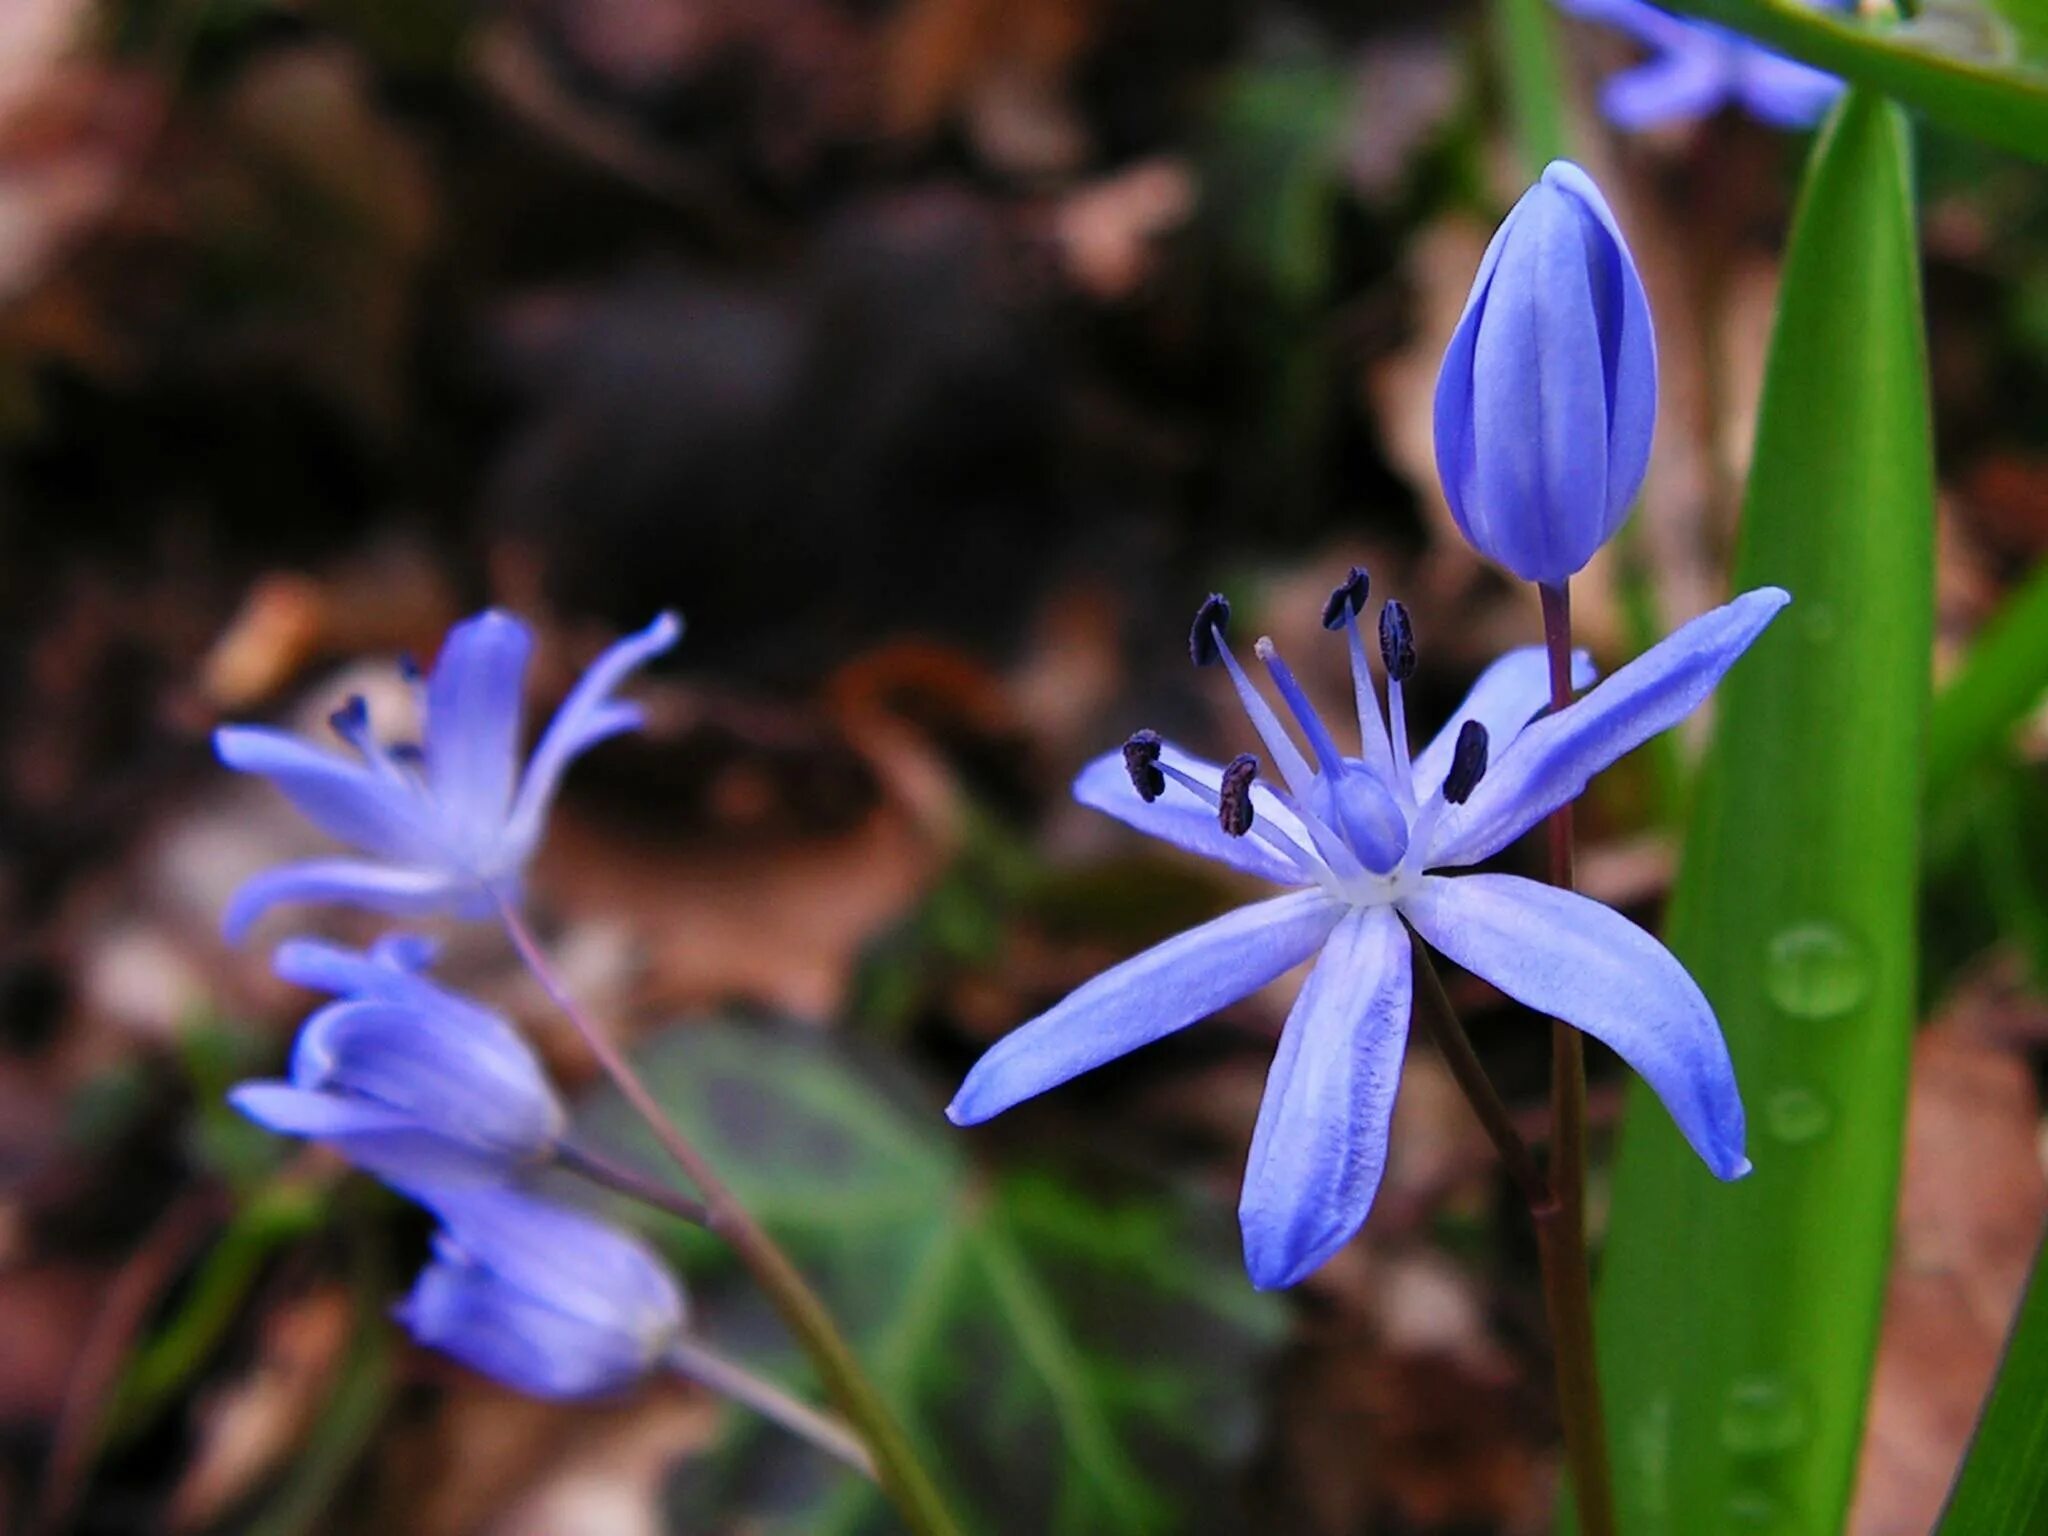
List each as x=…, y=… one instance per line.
x=1956, y=63
x=1738, y=1322
x=1999, y=681
x=2003, y=1487
x=1525, y=42
x=1075, y=1366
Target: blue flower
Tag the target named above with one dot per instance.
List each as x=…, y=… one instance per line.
x=411, y=1082
x=1355, y=839
x=1696, y=68
x=1548, y=392
x=449, y=825
x=547, y=1300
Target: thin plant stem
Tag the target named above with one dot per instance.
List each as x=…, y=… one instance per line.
x=897, y=1468
x=728, y=1378
x=1441, y=1020
x=1561, y=1226
x=600, y=1170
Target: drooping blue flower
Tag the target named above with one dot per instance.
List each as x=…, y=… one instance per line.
x=1547, y=395
x=1355, y=839
x=547, y=1300
x=447, y=826
x=414, y=1083
x=1696, y=68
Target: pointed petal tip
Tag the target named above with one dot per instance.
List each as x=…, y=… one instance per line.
x=242, y=747
x=240, y=916
x=1742, y=1168
x=1271, y=1265
x=495, y=618
x=971, y=1106
x=247, y=1098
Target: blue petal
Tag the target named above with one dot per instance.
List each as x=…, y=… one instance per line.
x=345, y=799
x=406, y=951
x=1554, y=758
x=1166, y=988
x=1178, y=817
x=1510, y=693
x=295, y=1111
x=568, y=1260
x=1628, y=340
x=517, y=1340
x=377, y=1139
x=472, y=731
x=353, y=883
x=589, y=715
x=1573, y=959
x=386, y=970
x=1321, y=1142
x=1782, y=91
x=390, y=972
x=461, y=1073
x=1681, y=87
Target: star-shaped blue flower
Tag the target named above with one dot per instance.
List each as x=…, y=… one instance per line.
x=449, y=825
x=1696, y=68
x=1355, y=840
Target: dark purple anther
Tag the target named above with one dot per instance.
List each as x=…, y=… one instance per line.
x=1468, y=763
x=1141, y=762
x=352, y=720
x=1234, y=794
x=1212, y=621
x=1349, y=598
x=1397, y=641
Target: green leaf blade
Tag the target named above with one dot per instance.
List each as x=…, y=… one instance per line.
x=2002, y=1489
x=1981, y=94
x=1738, y=1323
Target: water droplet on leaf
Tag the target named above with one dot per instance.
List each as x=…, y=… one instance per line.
x=1751, y=1509
x=1816, y=971
x=1763, y=1416
x=1796, y=1115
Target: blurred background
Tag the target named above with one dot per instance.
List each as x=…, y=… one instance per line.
x=935, y=358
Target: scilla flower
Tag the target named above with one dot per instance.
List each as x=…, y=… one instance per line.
x=1548, y=391
x=544, y=1299
x=448, y=825
x=1696, y=68
x=1355, y=839
x=409, y=1081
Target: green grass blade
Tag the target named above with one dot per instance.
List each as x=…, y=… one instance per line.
x=1987, y=97
x=2002, y=678
x=1738, y=1323
x=1525, y=43
x=2003, y=1487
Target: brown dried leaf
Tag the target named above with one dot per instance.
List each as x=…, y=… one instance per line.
x=248, y=1428
x=1971, y=1208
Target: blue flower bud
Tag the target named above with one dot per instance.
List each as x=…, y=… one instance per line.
x=546, y=1300
x=416, y=1092
x=1548, y=393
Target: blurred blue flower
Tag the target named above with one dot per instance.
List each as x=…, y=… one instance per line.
x=1548, y=392
x=1355, y=838
x=411, y=1082
x=448, y=826
x=546, y=1300
x=1696, y=68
